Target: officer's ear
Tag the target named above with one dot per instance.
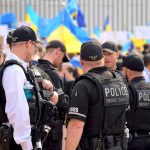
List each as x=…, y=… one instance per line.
x=58, y=51
x=128, y=72
x=81, y=62
x=125, y=71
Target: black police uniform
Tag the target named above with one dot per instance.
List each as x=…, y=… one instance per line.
x=67, y=85
x=54, y=140
x=105, y=123
x=138, y=117
x=120, y=75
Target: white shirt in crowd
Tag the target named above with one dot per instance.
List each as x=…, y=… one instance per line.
x=146, y=74
x=17, y=109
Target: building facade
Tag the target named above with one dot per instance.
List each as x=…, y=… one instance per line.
x=123, y=14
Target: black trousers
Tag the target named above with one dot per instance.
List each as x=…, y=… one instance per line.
x=14, y=146
x=139, y=143
x=11, y=146
x=54, y=140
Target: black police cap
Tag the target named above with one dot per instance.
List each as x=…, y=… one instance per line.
x=59, y=44
x=22, y=33
x=109, y=46
x=91, y=52
x=133, y=62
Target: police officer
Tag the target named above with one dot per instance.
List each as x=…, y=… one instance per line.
x=138, y=115
x=51, y=62
x=22, y=42
x=111, y=57
x=97, y=108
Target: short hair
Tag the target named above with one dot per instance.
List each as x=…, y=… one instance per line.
x=49, y=50
x=119, y=47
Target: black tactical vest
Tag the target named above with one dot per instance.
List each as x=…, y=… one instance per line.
x=112, y=103
x=120, y=76
x=139, y=116
x=34, y=77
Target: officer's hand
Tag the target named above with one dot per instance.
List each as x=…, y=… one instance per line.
x=54, y=98
x=49, y=86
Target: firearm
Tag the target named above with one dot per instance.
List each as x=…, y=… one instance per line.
x=65, y=102
x=46, y=110
x=5, y=136
x=126, y=137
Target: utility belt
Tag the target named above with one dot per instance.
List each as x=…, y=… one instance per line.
x=39, y=131
x=56, y=132
x=6, y=135
x=139, y=134
x=45, y=124
x=60, y=118
x=109, y=142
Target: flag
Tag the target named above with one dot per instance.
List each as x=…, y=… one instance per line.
x=107, y=26
x=96, y=32
x=72, y=7
x=62, y=28
x=44, y=26
x=138, y=43
x=127, y=46
x=130, y=36
x=75, y=61
x=148, y=41
x=8, y=19
x=32, y=18
x=80, y=18
x=75, y=11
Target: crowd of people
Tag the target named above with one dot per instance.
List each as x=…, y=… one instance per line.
x=47, y=104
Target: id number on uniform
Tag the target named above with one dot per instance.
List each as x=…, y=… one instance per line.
x=143, y=98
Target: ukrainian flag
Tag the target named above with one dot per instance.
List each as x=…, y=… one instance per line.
x=138, y=43
x=74, y=10
x=63, y=29
x=8, y=19
x=126, y=47
x=96, y=32
x=107, y=26
x=32, y=18
x=72, y=7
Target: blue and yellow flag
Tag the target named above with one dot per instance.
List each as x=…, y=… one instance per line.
x=74, y=10
x=96, y=32
x=62, y=28
x=80, y=18
x=8, y=19
x=126, y=47
x=32, y=18
x=107, y=26
x=138, y=43
x=72, y=6
x=44, y=27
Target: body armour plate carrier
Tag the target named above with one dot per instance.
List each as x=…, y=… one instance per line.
x=34, y=77
x=139, y=115
x=113, y=103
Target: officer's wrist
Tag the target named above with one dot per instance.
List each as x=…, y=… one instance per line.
x=51, y=93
